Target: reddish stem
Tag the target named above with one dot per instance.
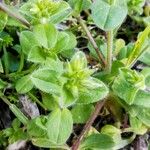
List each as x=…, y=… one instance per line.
x=89, y=123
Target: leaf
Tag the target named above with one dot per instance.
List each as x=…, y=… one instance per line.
x=97, y=141
x=54, y=64
x=78, y=61
x=115, y=133
x=108, y=16
x=46, y=143
x=36, y=127
x=3, y=20
x=119, y=44
x=62, y=13
x=144, y=115
x=62, y=42
x=46, y=80
x=137, y=126
x=87, y=96
x=81, y=113
x=24, y=85
x=3, y=84
x=68, y=97
x=59, y=126
x=49, y=101
x=142, y=99
x=79, y=5
x=127, y=84
x=27, y=41
x=69, y=49
x=46, y=34
x=137, y=50
x=37, y=55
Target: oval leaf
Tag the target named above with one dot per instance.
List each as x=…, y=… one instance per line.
x=59, y=126
x=46, y=34
x=109, y=16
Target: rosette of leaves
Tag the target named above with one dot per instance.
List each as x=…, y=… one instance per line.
x=73, y=84
x=135, y=6
x=127, y=85
x=131, y=88
x=78, y=76
x=44, y=42
x=45, y=11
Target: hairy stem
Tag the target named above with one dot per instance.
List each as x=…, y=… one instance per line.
x=36, y=100
x=6, y=62
x=92, y=41
x=89, y=123
x=21, y=62
x=109, y=50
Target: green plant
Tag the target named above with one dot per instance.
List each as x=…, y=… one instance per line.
x=41, y=61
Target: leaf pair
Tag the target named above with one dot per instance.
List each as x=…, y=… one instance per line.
x=73, y=84
x=54, y=129
x=45, y=11
x=108, y=15
x=45, y=41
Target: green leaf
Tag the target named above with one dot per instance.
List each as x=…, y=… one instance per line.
x=37, y=55
x=46, y=143
x=69, y=97
x=108, y=16
x=59, y=126
x=78, y=61
x=49, y=101
x=54, y=64
x=81, y=113
x=69, y=49
x=137, y=126
x=36, y=127
x=79, y=5
x=46, y=80
x=142, y=98
x=127, y=84
x=27, y=41
x=3, y=20
x=144, y=115
x=115, y=133
x=3, y=84
x=24, y=85
x=62, y=42
x=46, y=34
x=97, y=141
x=16, y=124
x=63, y=11
x=138, y=50
x=90, y=95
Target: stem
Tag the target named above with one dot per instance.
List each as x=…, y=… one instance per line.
x=21, y=62
x=15, y=110
x=109, y=50
x=6, y=63
x=89, y=123
x=92, y=41
x=36, y=100
x=5, y=100
x=6, y=9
